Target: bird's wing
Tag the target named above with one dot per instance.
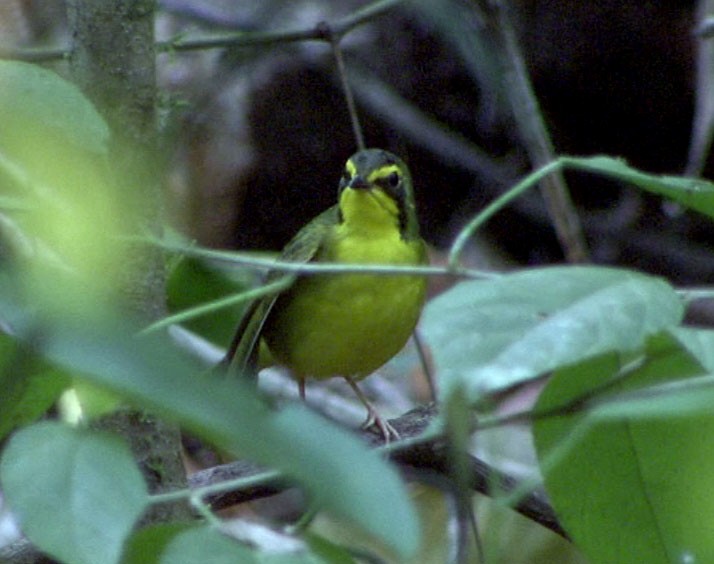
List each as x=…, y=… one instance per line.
x=242, y=355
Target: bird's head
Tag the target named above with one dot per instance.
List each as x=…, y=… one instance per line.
x=376, y=191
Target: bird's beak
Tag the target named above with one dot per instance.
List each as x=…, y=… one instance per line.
x=358, y=183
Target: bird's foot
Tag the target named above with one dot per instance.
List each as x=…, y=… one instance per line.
x=375, y=420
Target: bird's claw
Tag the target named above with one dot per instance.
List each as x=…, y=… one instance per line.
x=387, y=431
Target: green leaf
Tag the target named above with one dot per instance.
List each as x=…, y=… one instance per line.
x=76, y=493
x=694, y=193
x=151, y=372
x=699, y=343
x=193, y=282
x=53, y=162
x=31, y=94
x=29, y=385
x=688, y=397
x=147, y=544
x=328, y=551
x=374, y=497
x=631, y=489
x=489, y=335
x=206, y=545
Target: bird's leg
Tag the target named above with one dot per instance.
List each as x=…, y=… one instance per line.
x=301, y=387
x=373, y=417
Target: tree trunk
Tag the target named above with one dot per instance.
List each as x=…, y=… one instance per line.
x=113, y=61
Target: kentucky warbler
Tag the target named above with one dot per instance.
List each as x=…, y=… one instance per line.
x=347, y=325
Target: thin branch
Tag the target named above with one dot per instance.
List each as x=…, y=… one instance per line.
x=345, y=83
x=497, y=205
x=221, y=303
x=602, y=395
x=703, y=120
x=421, y=349
x=529, y=120
x=425, y=131
x=340, y=28
x=248, y=260
x=239, y=39
x=34, y=54
x=228, y=484
x=693, y=294
x=414, y=453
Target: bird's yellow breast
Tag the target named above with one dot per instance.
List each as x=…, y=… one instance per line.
x=350, y=324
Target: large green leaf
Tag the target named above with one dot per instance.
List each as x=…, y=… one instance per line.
x=320, y=456
x=76, y=493
x=489, y=335
x=629, y=489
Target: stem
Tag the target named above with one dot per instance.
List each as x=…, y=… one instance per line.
x=215, y=305
x=499, y=203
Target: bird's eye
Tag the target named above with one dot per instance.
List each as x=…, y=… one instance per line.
x=393, y=180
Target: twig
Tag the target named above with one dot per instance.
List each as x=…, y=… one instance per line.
x=334, y=40
x=425, y=365
x=494, y=207
x=526, y=113
x=703, y=120
x=218, y=304
x=34, y=54
x=339, y=28
x=424, y=130
x=248, y=260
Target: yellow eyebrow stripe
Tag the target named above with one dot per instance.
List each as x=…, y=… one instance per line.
x=382, y=172
x=351, y=168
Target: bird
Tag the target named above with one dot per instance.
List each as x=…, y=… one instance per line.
x=344, y=324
